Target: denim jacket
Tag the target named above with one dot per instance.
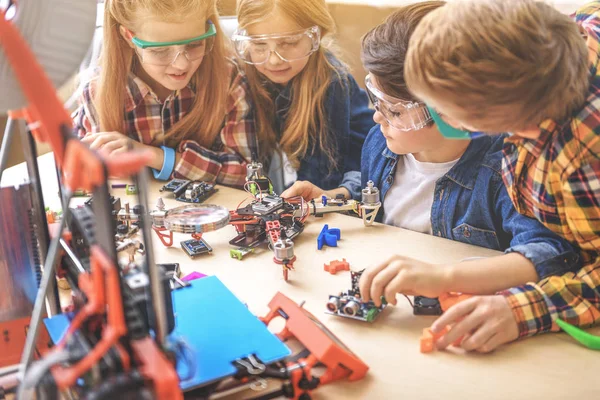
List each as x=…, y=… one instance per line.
x=471, y=205
x=349, y=120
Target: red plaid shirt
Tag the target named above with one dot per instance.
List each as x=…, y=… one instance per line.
x=146, y=117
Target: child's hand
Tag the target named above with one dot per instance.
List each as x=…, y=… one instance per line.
x=307, y=190
x=486, y=322
x=110, y=143
x=402, y=275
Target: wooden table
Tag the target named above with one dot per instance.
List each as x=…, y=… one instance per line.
x=551, y=366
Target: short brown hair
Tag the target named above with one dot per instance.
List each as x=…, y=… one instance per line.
x=384, y=47
x=522, y=56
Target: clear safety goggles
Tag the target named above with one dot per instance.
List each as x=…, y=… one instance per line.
x=402, y=115
x=290, y=46
x=166, y=53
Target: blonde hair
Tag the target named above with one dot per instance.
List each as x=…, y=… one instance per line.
x=307, y=119
x=518, y=61
x=211, y=80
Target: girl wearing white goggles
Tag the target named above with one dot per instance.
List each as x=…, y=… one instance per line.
x=312, y=118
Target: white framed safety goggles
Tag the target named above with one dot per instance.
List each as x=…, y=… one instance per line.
x=291, y=46
x=402, y=115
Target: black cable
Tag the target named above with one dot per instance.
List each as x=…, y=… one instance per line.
x=116, y=387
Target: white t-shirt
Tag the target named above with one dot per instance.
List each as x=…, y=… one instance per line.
x=281, y=172
x=407, y=204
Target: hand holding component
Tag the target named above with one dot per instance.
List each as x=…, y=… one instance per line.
x=403, y=275
x=483, y=322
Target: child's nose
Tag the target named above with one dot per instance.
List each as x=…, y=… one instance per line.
x=181, y=61
x=378, y=118
x=274, y=59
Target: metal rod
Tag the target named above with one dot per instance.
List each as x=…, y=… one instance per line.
x=157, y=294
x=39, y=216
x=10, y=369
x=47, y=277
x=6, y=143
x=69, y=252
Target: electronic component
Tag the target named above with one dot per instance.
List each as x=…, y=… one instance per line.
x=195, y=247
x=349, y=304
x=241, y=252
x=197, y=192
x=189, y=191
x=426, y=306
x=257, y=182
x=174, y=185
x=267, y=204
x=131, y=189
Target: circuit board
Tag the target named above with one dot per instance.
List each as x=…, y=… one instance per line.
x=189, y=191
x=349, y=304
x=195, y=247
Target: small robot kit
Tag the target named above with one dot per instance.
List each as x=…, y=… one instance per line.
x=189, y=191
x=349, y=304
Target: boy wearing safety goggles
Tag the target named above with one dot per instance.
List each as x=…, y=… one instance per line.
x=521, y=66
x=443, y=187
x=312, y=117
x=165, y=84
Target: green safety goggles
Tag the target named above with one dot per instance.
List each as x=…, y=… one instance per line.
x=166, y=53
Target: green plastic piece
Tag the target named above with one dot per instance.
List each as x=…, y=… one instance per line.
x=131, y=189
x=372, y=314
x=236, y=254
x=587, y=339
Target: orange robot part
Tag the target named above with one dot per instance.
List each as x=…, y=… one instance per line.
x=336, y=266
x=428, y=338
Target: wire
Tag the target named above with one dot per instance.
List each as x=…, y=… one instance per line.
x=260, y=195
x=408, y=298
x=182, y=349
x=36, y=372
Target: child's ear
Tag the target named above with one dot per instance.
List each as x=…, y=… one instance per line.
x=127, y=35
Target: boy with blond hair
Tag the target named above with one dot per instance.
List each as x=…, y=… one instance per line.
x=523, y=67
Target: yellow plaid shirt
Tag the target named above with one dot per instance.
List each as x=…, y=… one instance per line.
x=556, y=179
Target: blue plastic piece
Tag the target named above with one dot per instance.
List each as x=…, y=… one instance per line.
x=324, y=200
x=216, y=326
x=57, y=326
x=328, y=237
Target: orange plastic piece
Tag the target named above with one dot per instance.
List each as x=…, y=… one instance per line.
x=50, y=217
x=155, y=367
x=324, y=347
x=273, y=229
x=165, y=238
x=103, y=291
x=428, y=339
x=336, y=266
x=447, y=300
x=12, y=340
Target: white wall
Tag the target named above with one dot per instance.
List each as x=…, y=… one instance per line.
x=566, y=6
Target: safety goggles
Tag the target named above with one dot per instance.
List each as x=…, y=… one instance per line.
x=290, y=46
x=402, y=115
x=166, y=53
x=451, y=132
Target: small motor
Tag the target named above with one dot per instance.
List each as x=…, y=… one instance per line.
x=370, y=204
x=370, y=195
x=283, y=250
